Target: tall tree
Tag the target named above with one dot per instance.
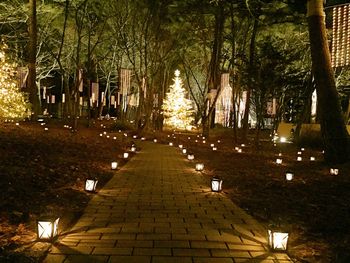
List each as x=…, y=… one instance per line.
x=32, y=29
x=334, y=133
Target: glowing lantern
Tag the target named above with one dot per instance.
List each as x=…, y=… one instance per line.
x=334, y=171
x=278, y=161
x=170, y=144
x=90, y=184
x=204, y=141
x=135, y=136
x=239, y=150
x=299, y=159
x=133, y=148
x=280, y=154
x=101, y=134
x=47, y=228
x=114, y=165
x=107, y=136
x=154, y=140
x=199, y=167
x=278, y=240
x=236, y=148
x=289, y=176
x=302, y=149
x=283, y=139
x=242, y=145
x=126, y=155
x=104, y=133
x=216, y=184
x=184, y=151
x=180, y=146
x=212, y=145
x=114, y=138
x=299, y=153
x=190, y=157
x=143, y=139
x=312, y=159
x=214, y=148
x=46, y=129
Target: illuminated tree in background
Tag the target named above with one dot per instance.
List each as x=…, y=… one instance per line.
x=13, y=103
x=177, y=109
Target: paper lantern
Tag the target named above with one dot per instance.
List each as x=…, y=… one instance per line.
x=278, y=161
x=312, y=158
x=334, y=171
x=114, y=165
x=199, y=167
x=190, y=157
x=216, y=184
x=125, y=155
x=133, y=148
x=280, y=154
x=90, y=184
x=170, y=144
x=154, y=140
x=180, y=146
x=212, y=145
x=278, y=240
x=283, y=139
x=239, y=150
x=47, y=228
x=289, y=176
x=143, y=138
x=214, y=148
x=299, y=159
x=135, y=136
x=299, y=153
x=184, y=151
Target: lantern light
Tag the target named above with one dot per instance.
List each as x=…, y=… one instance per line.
x=334, y=171
x=242, y=145
x=114, y=138
x=170, y=144
x=312, y=158
x=125, y=155
x=239, y=150
x=204, y=141
x=104, y=133
x=189, y=137
x=278, y=161
x=46, y=129
x=107, y=136
x=289, y=176
x=302, y=149
x=101, y=134
x=90, y=184
x=135, y=136
x=216, y=184
x=199, y=167
x=219, y=141
x=184, y=150
x=180, y=146
x=283, y=139
x=114, y=165
x=212, y=145
x=299, y=159
x=143, y=138
x=236, y=148
x=133, y=148
x=47, y=228
x=196, y=140
x=299, y=153
x=17, y=124
x=278, y=240
x=280, y=154
x=190, y=157
x=154, y=140
x=214, y=148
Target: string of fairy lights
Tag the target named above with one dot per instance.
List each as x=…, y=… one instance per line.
x=341, y=36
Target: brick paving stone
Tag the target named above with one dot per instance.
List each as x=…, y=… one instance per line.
x=155, y=209
x=212, y=260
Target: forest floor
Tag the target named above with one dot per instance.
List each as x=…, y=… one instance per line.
x=43, y=173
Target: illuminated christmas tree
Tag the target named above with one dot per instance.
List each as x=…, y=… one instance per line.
x=13, y=103
x=177, y=109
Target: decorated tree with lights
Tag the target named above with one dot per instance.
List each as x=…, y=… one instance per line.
x=13, y=103
x=178, y=111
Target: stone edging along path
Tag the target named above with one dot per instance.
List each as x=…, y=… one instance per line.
x=158, y=209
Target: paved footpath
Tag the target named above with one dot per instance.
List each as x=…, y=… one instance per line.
x=158, y=209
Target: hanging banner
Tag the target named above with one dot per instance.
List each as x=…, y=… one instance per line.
x=112, y=100
x=53, y=99
x=94, y=92
x=225, y=80
x=80, y=79
x=341, y=36
x=22, y=76
x=125, y=80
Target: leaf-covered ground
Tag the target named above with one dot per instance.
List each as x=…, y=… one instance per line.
x=43, y=172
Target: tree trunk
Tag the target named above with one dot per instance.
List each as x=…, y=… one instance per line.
x=32, y=29
x=334, y=133
x=250, y=80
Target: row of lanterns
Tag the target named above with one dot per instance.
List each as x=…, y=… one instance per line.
x=47, y=228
